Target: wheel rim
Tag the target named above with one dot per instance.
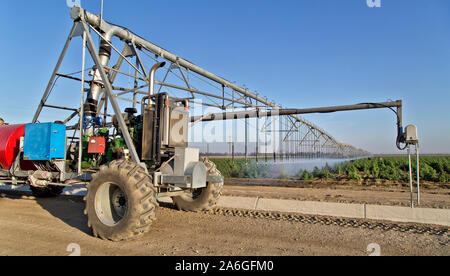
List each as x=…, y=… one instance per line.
x=110, y=204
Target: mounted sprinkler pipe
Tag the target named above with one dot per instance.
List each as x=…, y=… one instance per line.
x=155, y=67
x=395, y=106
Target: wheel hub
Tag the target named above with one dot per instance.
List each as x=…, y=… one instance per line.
x=110, y=204
x=119, y=202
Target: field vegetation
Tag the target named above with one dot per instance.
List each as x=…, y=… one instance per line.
x=432, y=169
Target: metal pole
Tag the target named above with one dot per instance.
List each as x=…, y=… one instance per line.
x=234, y=131
x=418, y=175
x=257, y=139
x=274, y=141
x=410, y=176
x=278, y=133
x=223, y=97
x=265, y=140
x=136, y=82
x=101, y=14
x=246, y=138
x=80, y=146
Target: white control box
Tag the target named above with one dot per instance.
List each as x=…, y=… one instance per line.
x=411, y=134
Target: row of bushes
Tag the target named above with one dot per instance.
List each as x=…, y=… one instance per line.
x=435, y=169
x=239, y=168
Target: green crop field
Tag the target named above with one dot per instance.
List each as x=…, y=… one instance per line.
x=432, y=168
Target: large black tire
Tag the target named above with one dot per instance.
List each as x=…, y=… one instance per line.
x=46, y=192
x=121, y=202
x=203, y=199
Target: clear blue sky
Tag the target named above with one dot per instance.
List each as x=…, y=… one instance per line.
x=300, y=53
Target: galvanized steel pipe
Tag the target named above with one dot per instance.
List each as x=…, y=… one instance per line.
x=152, y=77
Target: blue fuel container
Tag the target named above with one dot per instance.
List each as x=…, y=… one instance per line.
x=44, y=142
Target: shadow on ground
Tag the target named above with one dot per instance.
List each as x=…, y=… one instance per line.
x=68, y=209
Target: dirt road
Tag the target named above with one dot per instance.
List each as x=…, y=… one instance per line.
x=438, y=197
x=48, y=226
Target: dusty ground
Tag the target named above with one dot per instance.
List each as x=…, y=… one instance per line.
x=48, y=226
x=395, y=195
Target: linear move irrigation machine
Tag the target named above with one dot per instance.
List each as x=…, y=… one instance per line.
x=129, y=158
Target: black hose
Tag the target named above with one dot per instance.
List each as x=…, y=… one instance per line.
x=400, y=138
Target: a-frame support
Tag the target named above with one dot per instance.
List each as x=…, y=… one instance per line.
x=79, y=28
x=73, y=33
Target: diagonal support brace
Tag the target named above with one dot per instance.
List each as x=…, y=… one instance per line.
x=112, y=99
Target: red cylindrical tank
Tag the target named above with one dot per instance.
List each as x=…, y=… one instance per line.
x=9, y=144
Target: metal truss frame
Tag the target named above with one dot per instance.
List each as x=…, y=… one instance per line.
x=297, y=134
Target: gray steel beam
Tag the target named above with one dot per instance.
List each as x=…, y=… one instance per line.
x=285, y=112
